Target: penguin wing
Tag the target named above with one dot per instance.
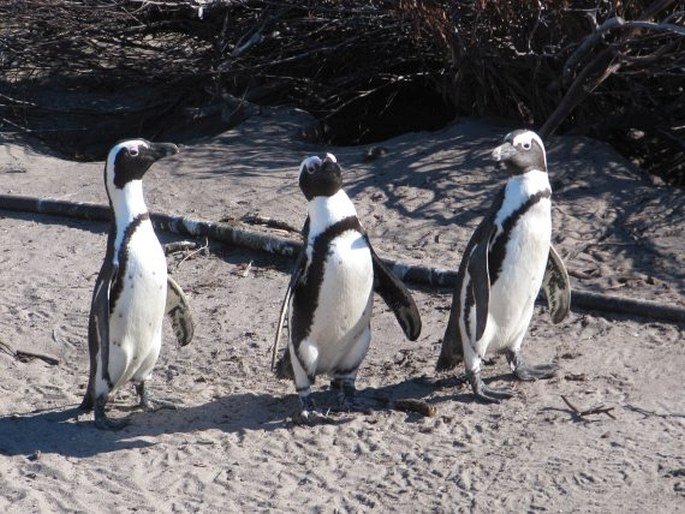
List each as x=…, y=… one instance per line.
x=474, y=267
x=178, y=310
x=557, y=286
x=283, y=368
x=98, y=330
x=396, y=296
x=479, y=283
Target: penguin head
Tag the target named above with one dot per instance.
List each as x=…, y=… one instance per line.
x=522, y=151
x=320, y=177
x=129, y=160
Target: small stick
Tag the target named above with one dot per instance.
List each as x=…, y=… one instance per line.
x=53, y=361
x=595, y=410
x=192, y=254
x=417, y=406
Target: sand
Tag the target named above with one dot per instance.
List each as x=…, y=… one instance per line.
x=230, y=445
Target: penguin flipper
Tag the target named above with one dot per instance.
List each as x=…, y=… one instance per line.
x=452, y=349
x=557, y=286
x=396, y=296
x=479, y=282
x=178, y=310
x=283, y=368
x=98, y=328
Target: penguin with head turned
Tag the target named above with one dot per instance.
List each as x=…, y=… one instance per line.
x=133, y=291
x=330, y=296
x=506, y=262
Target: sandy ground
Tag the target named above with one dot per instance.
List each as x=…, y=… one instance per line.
x=230, y=445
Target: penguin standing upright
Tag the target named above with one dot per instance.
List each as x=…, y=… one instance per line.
x=330, y=296
x=507, y=260
x=133, y=291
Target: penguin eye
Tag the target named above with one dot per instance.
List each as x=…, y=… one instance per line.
x=133, y=152
x=311, y=168
x=526, y=146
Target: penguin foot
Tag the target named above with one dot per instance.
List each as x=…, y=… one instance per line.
x=153, y=404
x=103, y=422
x=309, y=415
x=485, y=394
x=346, y=392
x=311, y=418
x=149, y=403
x=529, y=373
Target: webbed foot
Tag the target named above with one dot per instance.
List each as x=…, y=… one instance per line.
x=485, y=394
x=527, y=372
x=149, y=403
x=309, y=415
x=102, y=421
x=345, y=390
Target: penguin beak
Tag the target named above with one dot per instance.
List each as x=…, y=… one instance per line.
x=159, y=150
x=503, y=152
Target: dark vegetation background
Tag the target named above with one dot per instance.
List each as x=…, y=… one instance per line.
x=82, y=73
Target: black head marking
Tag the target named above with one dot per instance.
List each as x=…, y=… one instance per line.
x=522, y=151
x=130, y=159
x=320, y=177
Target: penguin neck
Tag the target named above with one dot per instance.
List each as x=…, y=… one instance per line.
x=128, y=205
x=520, y=188
x=325, y=211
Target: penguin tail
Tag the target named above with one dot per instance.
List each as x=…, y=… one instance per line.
x=447, y=362
x=87, y=403
x=284, y=368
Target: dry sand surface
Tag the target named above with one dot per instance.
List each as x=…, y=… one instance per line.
x=230, y=445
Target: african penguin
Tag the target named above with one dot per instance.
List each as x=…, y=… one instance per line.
x=508, y=258
x=330, y=296
x=132, y=291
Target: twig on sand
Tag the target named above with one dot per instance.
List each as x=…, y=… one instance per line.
x=413, y=405
x=201, y=250
x=25, y=355
x=647, y=413
x=582, y=413
x=407, y=405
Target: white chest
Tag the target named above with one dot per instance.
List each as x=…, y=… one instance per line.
x=135, y=323
x=346, y=289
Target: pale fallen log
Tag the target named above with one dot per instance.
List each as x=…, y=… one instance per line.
x=236, y=234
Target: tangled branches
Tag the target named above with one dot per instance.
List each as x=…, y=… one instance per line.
x=367, y=69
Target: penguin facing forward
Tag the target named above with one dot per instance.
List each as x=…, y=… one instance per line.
x=133, y=291
x=330, y=296
x=506, y=262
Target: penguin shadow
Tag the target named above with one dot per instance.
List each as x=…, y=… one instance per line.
x=71, y=432
x=414, y=396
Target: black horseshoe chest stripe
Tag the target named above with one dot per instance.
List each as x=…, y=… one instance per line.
x=499, y=245
x=118, y=285
x=306, y=291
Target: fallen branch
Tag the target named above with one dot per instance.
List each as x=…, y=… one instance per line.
x=25, y=355
x=234, y=234
x=588, y=412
